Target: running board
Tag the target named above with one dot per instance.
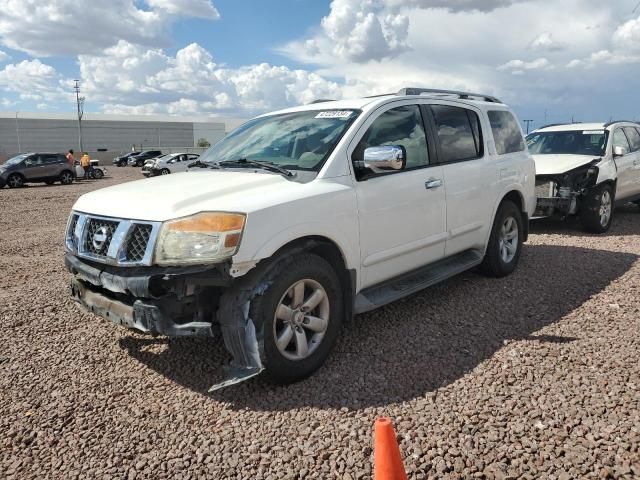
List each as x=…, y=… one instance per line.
x=412, y=282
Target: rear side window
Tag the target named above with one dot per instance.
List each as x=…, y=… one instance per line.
x=634, y=138
x=459, y=133
x=506, y=132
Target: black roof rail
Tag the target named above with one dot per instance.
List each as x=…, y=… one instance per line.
x=462, y=95
x=322, y=100
x=608, y=124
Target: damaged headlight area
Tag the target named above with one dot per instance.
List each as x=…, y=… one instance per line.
x=562, y=193
x=203, y=238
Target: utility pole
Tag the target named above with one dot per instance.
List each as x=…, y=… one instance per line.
x=528, y=122
x=80, y=105
x=18, y=134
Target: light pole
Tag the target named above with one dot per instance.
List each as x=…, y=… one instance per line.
x=528, y=122
x=18, y=134
x=80, y=105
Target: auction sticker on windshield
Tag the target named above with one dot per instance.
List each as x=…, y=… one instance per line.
x=334, y=114
x=593, y=132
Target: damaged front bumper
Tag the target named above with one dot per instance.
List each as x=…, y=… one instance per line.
x=171, y=301
x=563, y=193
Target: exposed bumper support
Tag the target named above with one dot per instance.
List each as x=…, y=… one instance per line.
x=174, y=302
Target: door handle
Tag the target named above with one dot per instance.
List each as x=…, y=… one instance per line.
x=433, y=183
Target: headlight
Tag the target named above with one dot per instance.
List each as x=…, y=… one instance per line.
x=202, y=238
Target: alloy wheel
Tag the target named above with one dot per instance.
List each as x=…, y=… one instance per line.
x=605, y=208
x=301, y=319
x=508, y=239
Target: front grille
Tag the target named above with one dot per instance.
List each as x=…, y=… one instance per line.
x=115, y=241
x=137, y=242
x=71, y=238
x=99, y=235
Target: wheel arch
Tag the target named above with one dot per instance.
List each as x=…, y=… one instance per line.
x=515, y=196
x=331, y=252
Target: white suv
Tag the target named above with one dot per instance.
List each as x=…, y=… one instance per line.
x=301, y=218
x=585, y=168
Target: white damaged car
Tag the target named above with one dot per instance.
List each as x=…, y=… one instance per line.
x=584, y=169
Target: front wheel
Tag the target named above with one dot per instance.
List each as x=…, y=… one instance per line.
x=15, y=180
x=300, y=315
x=165, y=171
x=596, y=213
x=505, y=242
x=98, y=174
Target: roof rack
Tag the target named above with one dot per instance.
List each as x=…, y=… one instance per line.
x=558, y=124
x=608, y=124
x=462, y=95
x=322, y=100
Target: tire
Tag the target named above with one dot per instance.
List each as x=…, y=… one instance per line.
x=66, y=178
x=285, y=363
x=98, y=174
x=122, y=164
x=165, y=171
x=505, y=242
x=15, y=180
x=596, y=213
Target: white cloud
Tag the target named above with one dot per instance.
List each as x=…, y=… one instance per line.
x=627, y=36
x=518, y=66
x=454, y=5
x=66, y=27
x=191, y=8
x=4, y=56
x=624, y=48
x=130, y=78
x=358, y=31
x=29, y=76
x=545, y=42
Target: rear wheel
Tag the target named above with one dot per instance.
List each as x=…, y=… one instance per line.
x=596, y=213
x=300, y=315
x=15, y=180
x=66, y=178
x=505, y=242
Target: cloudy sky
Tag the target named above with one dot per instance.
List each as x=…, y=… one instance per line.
x=550, y=59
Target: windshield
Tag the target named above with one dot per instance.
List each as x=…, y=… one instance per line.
x=297, y=141
x=574, y=142
x=17, y=159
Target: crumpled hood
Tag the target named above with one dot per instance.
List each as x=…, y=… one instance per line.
x=173, y=196
x=554, y=164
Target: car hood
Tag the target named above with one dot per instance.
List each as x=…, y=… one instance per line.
x=173, y=196
x=554, y=164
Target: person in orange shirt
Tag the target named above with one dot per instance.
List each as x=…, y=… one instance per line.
x=85, y=162
x=72, y=162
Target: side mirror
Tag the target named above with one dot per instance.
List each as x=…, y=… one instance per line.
x=385, y=158
x=619, y=152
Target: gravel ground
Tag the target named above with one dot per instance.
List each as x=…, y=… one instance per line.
x=533, y=376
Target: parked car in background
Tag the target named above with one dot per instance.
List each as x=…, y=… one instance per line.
x=96, y=172
x=34, y=168
x=169, y=163
x=303, y=217
x=139, y=159
x=122, y=160
x=585, y=169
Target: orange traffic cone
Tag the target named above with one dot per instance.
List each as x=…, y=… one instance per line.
x=387, y=463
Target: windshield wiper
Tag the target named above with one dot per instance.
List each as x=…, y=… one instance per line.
x=201, y=164
x=242, y=162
